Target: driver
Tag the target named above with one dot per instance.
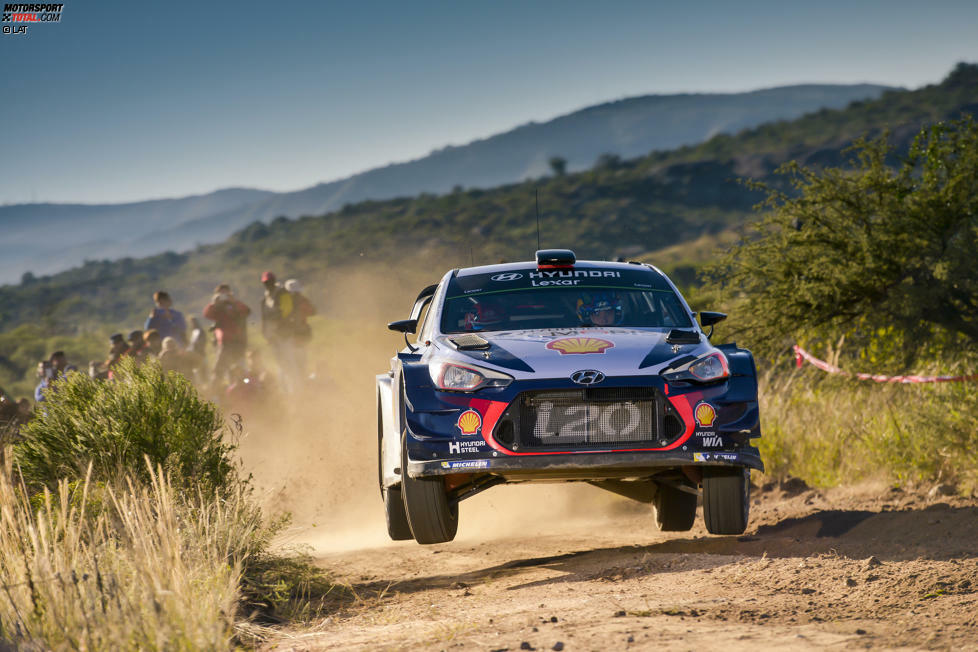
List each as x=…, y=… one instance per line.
x=600, y=309
x=484, y=315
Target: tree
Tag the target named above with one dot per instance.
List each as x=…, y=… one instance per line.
x=608, y=161
x=852, y=250
x=559, y=165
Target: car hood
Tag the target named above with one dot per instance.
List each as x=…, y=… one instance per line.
x=558, y=353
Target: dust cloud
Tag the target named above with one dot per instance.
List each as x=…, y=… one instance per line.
x=313, y=454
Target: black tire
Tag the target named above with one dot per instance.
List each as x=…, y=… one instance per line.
x=431, y=517
x=726, y=499
x=398, y=528
x=397, y=523
x=675, y=510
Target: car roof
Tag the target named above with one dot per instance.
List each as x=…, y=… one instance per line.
x=532, y=265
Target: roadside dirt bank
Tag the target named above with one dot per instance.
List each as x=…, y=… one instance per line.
x=859, y=567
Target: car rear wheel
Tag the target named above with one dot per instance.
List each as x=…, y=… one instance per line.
x=675, y=509
x=430, y=515
x=726, y=499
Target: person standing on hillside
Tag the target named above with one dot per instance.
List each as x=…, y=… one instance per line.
x=154, y=344
x=278, y=327
x=230, y=328
x=167, y=321
x=137, y=346
x=118, y=349
x=174, y=357
x=302, y=310
x=49, y=372
x=198, y=338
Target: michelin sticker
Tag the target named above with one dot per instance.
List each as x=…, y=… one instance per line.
x=714, y=457
x=471, y=464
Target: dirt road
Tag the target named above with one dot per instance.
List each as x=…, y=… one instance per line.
x=864, y=567
x=563, y=566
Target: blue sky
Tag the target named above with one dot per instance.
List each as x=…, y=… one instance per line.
x=123, y=101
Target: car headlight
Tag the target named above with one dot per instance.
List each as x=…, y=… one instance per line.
x=456, y=377
x=707, y=369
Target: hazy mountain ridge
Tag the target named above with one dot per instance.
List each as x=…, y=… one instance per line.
x=45, y=238
x=688, y=195
x=627, y=128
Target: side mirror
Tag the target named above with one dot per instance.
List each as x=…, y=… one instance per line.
x=404, y=326
x=708, y=318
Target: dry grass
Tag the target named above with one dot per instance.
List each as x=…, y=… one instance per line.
x=832, y=431
x=102, y=568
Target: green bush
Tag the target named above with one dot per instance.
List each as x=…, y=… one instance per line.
x=143, y=414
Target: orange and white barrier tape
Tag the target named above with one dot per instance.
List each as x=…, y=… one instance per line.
x=802, y=355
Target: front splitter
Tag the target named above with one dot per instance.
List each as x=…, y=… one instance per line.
x=583, y=465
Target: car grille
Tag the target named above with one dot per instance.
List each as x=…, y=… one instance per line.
x=588, y=418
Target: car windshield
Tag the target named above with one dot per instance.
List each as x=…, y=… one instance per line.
x=562, y=308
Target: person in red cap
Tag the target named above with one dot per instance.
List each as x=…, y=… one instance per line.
x=278, y=327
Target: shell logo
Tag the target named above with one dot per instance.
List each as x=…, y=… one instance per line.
x=570, y=345
x=705, y=414
x=469, y=422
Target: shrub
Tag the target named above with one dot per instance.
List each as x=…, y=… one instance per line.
x=154, y=568
x=144, y=414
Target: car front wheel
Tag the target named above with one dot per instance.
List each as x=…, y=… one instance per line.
x=432, y=518
x=726, y=499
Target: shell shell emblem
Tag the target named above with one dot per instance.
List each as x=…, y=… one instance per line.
x=469, y=422
x=572, y=345
x=705, y=415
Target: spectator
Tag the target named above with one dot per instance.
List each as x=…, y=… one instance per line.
x=8, y=411
x=278, y=327
x=59, y=364
x=256, y=367
x=302, y=310
x=49, y=371
x=24, y=410
x=165, y=320
x=154, y=343
x=173, y=357
x=97, y=370
x=117, y=350
x=44, y=376
x=198, y=338
x=230, y=328
x=246, y=395
x=137, y=346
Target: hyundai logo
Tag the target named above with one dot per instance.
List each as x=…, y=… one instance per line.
x=508, y=276
x=587, y=377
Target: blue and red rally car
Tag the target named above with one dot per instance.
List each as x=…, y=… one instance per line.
x=564, y=370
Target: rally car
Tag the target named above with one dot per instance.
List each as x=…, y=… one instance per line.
x=564, y=370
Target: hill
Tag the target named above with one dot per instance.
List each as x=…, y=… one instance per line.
x=47, y=238
x=626, y=128
x=618, y=208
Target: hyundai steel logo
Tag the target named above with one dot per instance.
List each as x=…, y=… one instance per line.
x=508, y=276
x=587, y=377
